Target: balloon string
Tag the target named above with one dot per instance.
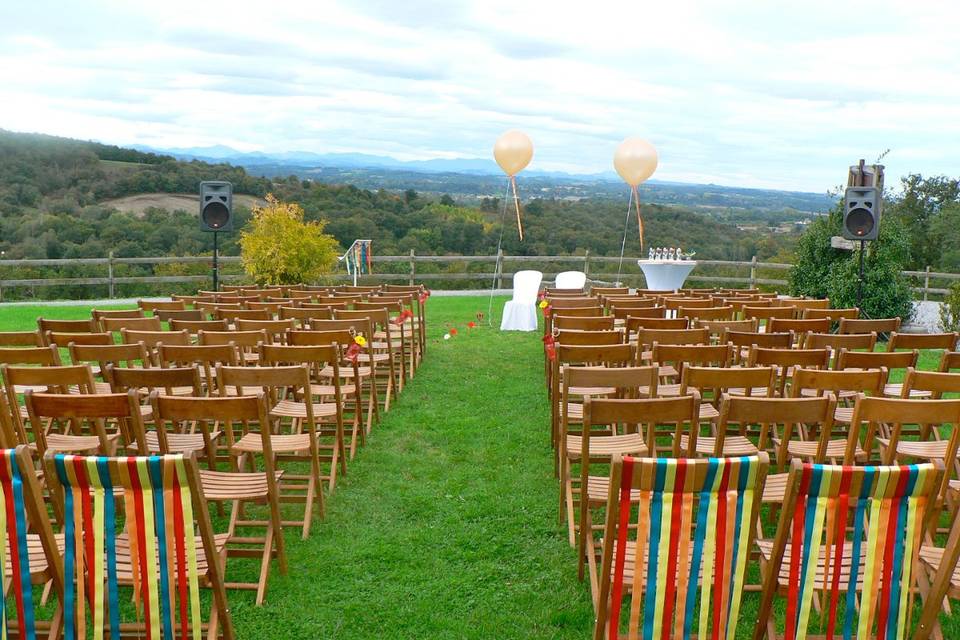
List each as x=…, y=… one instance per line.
x=516, y=203
x=498, y=266
x=623, y=245
x=636, y=198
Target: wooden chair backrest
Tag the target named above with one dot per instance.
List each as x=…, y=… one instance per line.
x=740, y=304
x=41, y=356
x=768, y=313
x=328, y=306
x=844, y=505
x=717, y=327
x=187, y=314
x=597, y=323
x=804, y=303
x=647, y=337
x=681, y=355
x=100, y=314
x=157, y=305
x=645, y=312
x=834, y=314
x=88, y=409
x=799, y=326
x=276, y=329
x=785, y=359
x=643, y=414
x=164, y=378
x=573, y=303
x=628, y=302
x=848, y=359
x=945, y=341
x=577, y=336
x=195, y=326
x=622, y=355
x=674, y=304
x=303, y=338
x=713, y=382
x=884, y=325
x=274, y=381
x=580, y=312
x=63, y=339
x=133, y=355
x=949, y=360
x=634, y=324
x=151, y=323
x=242, y=339
x=232, y=315
x=771, y=413
x=667, y=488
x=153, y=338
x=20, y=339
x=869, y=381
x=706, y=313
x=67, y=326
x=837, y=341
x=609, y=291
x=164, y=502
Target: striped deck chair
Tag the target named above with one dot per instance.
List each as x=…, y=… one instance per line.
x=155, y=553
x=676, y=543
x=847, y=531
x=28, y=559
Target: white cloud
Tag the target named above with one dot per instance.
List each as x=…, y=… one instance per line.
x=742, y=92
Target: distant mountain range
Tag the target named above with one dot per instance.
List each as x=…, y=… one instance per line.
x=475, y=178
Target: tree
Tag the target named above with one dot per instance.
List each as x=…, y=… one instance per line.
x=280, y=248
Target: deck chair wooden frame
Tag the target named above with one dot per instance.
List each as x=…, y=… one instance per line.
x=700, y=573
x=81, y=413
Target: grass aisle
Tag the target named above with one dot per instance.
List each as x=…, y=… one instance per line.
x=445, y=526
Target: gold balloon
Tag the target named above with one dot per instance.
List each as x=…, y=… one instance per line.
x=513, y=151
x=635, y=160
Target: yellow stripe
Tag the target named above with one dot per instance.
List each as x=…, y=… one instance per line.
x=96, y=597
x=810, y=576
x=665, y=521
x=150, y=545
x=871, y=570
x=191, y=548
x=743, y=551
x=709, y=550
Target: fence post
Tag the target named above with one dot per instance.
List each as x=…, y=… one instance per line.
x=498, y=269
x=586, y=264
x=110, y=291
x=926, y=284
x=753, y=272
x=413, y=266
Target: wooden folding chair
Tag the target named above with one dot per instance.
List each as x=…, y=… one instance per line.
x=717, y=327
x=392, y=378
x=247, y=343
x=276, y=329
x=798, y=326
x=194, y=327
x=706, y=313
x=764, y=314
x=836, y=341
x=160, y=543
x=880, y=326
x=18, y=380
x=99, y=314
x=30, y=550
x=291, y=407
x=943, y=341
x=236, y=486
x=599, y=323
x=713, y=382
x=189, y=315
x=205, y=357
x=61, y=339
x=83, y=419
x=673, y=358
x=845, y=384
x=619, y=382
x=100, y=357
x=676, y=542
x=633, y=324
x=367, y=361
x=581, y=337
x=786, y=360
x=66, y=326
x=850, y=533
x=638, y=418
x=152, y=306
x=114, y=325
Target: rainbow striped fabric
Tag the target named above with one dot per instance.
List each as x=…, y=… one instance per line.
x=693, y=534
x=13, y=532
x=159, y=533
x=888, y=506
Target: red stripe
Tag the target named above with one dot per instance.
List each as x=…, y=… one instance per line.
x=843, y=505
x=888, y=548
x=86, y=501
x=6, y=478
x=671, y=586
x=141, y=541
x=181, y=554
x=721, y=547
x=626, y=482
x=793, y=590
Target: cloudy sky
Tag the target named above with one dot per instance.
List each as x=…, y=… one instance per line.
x=759, y=93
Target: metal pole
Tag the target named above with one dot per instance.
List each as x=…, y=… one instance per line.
x=863, y=248
x=216, y=266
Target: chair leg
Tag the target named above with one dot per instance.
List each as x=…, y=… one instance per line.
x=265, y=564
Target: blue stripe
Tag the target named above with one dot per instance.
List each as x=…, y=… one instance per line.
x=653, y=553
x=850, y=608
x=813, y=491
x=898, y=550
x=741, y=489
x=156, y=480
x=69, y=551
x=110, y=539
x=27, y=625
x=700, y=533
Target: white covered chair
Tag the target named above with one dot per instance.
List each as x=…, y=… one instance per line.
x=520, y=314
x=571, y=280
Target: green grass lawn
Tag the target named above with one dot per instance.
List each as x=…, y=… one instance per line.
x=445, y=525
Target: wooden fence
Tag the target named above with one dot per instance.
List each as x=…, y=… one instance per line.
x=416, y=268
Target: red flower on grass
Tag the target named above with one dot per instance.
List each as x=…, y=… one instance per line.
x=453, y=331
x=471, y=325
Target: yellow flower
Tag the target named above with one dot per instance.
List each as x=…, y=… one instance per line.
x=543, y=304
x=360, y=340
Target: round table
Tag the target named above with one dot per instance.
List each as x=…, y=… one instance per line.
x=666, y=275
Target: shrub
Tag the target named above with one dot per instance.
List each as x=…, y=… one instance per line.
x=280, y=248
x=950, y=309
x=822, y=271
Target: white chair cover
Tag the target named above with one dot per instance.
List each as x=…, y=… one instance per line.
x=571, y=280
x=520, y=314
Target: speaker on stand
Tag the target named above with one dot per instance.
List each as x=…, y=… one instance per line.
x=216, y=215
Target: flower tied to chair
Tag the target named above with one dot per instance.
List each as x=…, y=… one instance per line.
x=424, y=296
x=550, y=346
x=356, y=347
x=545, y=306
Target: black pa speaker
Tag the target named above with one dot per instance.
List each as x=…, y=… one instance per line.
x=861, y=213
x=216, y=206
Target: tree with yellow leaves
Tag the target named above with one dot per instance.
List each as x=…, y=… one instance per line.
x=280, y=248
